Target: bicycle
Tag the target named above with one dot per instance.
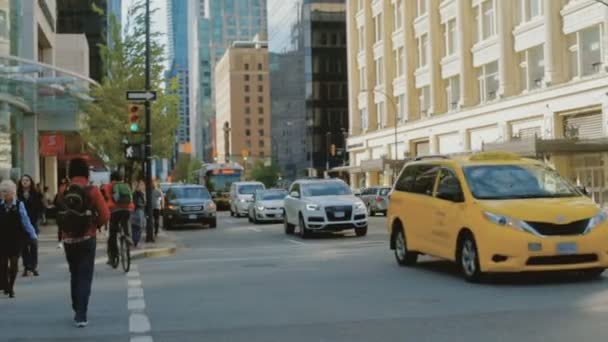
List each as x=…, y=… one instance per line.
x=124, y=248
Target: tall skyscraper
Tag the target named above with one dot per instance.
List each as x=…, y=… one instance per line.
x=177, y=25
x=113, y=8
x=219, y=23
x=308, y=77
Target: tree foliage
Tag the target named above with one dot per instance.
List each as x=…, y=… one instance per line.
x=185, y=167
x=268, y=175
x=106, y=123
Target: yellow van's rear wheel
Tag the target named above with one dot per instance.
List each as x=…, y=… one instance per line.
x=403, y=256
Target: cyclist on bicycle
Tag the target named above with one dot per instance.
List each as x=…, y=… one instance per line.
x=120, y=202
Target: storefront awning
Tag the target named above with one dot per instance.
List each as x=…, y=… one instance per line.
x=347, y=168
x=41, y=88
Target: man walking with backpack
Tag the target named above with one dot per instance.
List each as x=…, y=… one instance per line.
x=120, y=204
x=80, y=211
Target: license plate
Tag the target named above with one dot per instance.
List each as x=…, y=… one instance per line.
x=192, y=217
x=566, y=248
x=339, y=214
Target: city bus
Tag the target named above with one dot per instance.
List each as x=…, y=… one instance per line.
x=218, y=178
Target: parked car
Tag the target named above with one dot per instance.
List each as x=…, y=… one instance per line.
x=323, y=205
x=495, y=212
x=189, y=204
x=241, y=195
x=376, y=199
x=267, y=205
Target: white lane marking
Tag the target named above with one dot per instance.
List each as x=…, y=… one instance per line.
x=295, y=241
x=254, y=229
x=134, y=283
x=136, y=304
x=139, y=323
x=142, y=339
x=135, y=292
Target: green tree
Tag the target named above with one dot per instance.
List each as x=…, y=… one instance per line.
x=268, y=175
x=106, y=122
x=182, y=166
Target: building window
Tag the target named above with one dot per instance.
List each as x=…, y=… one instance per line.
x=363, y=118
x=424, y=100
x=485, y=23
x=361, y=39
x=259, y=66
x=334, y=39
x=398, y=14
x=379, y=71
x=260, y=88
x=246, y=99
x=453, y=92
x=247, y=132
x=450, y=37
x=246, y=66
x=260, y=99
x=532, y=68
x=247, y=122
x=246, y=88
x=487, y=79
x=247, y=110
x=260, y=110
x=362, y=78
x=401, y=108
x=585, y=52
x=246, y=77
x=400, y=61
x=528, y=10
x=423, y=46
x=260, y=121
x=261, y=132
x=322, y=39
x=262, y=155
x=380, y=115
x=421, y=7
x=261, y=143
x=260, y=78
x=378, y=27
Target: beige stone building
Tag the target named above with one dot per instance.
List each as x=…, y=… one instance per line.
x=457, y=76
x=242, y=98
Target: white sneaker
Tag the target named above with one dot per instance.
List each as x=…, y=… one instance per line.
x=81, y=324
x=60, y=245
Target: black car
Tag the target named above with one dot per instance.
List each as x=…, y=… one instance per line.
x=189, y=204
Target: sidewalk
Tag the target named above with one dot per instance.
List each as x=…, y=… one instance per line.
x=164, y=245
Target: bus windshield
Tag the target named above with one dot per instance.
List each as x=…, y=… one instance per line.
x=221, y=183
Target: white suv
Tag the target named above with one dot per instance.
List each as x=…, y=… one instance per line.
x=323, y=205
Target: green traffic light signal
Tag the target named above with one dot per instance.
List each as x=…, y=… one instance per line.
x=134, y=127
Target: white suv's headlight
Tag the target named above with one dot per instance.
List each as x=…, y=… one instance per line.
x=360, y=206
x=596, y=220
x=313, y=207
x=510, y=222
x=260, y=207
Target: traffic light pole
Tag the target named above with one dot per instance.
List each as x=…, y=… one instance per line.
x=148, y=133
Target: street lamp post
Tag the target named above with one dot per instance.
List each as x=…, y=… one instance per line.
x=391, y=99
x=328, y=143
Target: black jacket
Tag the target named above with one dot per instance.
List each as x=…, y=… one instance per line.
x=34, y=206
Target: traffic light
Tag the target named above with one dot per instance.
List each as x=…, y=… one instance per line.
x=134, y=115
x=332, y=150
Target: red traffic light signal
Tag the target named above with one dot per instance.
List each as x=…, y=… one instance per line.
x=134, y=115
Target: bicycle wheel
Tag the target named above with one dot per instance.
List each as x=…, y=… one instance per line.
x=114, y=258
x=125, y=253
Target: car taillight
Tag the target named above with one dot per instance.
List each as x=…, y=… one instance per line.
x=379, y=199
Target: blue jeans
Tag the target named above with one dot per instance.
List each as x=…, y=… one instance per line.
x=30, y=253
x=81, y=259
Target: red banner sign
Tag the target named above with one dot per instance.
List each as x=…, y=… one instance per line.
x=52, y=144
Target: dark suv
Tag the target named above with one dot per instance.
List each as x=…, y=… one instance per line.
x=189, y=204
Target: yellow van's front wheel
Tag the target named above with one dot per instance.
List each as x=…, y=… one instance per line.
x=468, y=257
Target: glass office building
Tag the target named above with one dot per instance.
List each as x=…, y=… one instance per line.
x=177, y=15
x=308, y=75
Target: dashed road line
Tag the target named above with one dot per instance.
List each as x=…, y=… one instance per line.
x=254, y=229
x=139, y=323
x=296, y=242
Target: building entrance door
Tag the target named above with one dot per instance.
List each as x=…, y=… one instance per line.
x=591, y=170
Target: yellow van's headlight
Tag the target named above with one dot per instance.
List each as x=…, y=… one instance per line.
x=596, y=220
x=507, y=221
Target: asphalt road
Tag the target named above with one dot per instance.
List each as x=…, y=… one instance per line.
x=244, y=282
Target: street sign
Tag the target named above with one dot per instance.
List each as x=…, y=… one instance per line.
x=134, y=151
x=141, y=95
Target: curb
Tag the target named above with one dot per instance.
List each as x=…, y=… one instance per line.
x=153, y=253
